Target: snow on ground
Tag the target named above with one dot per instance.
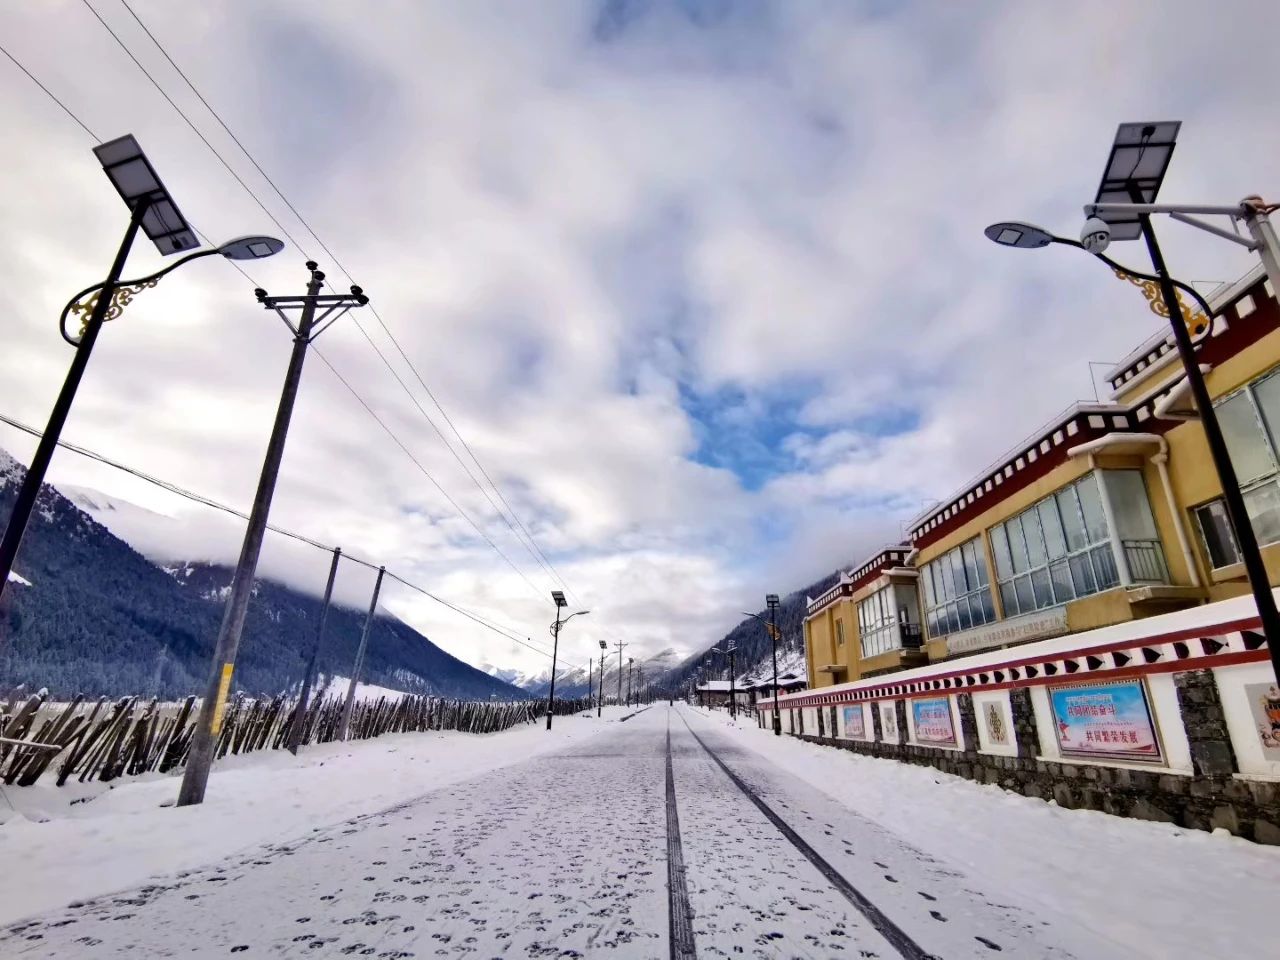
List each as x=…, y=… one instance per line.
x=16, y=578
x=99, y=838
x=1157, y=889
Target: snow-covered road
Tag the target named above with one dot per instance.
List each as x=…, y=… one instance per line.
x=572, y=854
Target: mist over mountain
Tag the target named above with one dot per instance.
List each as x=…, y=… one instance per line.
x=88, y=613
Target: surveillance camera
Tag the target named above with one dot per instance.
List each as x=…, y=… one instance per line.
x=1096, y=235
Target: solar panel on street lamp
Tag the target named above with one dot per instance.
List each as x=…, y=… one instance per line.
x=131, y=173
x=1139, y=158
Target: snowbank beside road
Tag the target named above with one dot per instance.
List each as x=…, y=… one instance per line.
x=1159, y=890
x=99, y=838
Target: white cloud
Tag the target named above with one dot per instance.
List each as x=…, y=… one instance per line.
x=567, y=236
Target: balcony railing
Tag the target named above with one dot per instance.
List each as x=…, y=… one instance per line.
x=912, y=636
x=1146, y=561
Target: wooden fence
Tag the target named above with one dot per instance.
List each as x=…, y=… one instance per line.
x=105, y=740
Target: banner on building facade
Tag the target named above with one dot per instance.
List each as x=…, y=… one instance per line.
x=1264, y=703
x=1112, y=720
x=854, y=723
x=932, y=720
x=1031, y=626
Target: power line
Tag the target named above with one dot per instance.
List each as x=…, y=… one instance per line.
x=391, y=433
x=196, y=130
x=540, y=555
x=243, y=149
x=303, y=538
x=535, y=551
x=48, y=93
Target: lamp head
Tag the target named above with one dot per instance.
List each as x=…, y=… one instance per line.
x=251, y=248
x=1023, y=236
x=1095, y=235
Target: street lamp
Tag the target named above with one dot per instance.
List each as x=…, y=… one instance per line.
x=772, y=602
x=558, y=597
x=630, y=661
x=152, y=210
x=600, y=700
x=1135, y=169
x=730, y=650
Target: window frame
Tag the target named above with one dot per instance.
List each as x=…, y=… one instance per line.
x=941, y=602
x=1037, y=585
x=1271, y=442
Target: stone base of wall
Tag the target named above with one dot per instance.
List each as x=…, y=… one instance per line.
x=1247, y=808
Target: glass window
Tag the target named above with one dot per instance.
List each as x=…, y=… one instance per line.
x=1095, y=521
x=1068, y=551
x=1263, y=504
x=879, y=630
x=1054, y=540
x=1035, y=538
x=1266, y=393
x=1215, y=531
x=1072, y=521
x=1017, y=545
x=1246, y=442
x=1129, y=501
x=961, y=596
x=1000, y=548
x=839, y=632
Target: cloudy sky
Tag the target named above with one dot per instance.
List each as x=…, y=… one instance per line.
x=702, y=283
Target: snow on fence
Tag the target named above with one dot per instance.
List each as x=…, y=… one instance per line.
x=105, y=740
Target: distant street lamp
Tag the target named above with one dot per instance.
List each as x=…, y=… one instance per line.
x=630, y=661
x=152, y=210
x=600, y=699
x=1135, y=170
x=558, y=597
x=730, y=650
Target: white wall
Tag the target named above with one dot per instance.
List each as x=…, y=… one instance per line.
x=1251, y=757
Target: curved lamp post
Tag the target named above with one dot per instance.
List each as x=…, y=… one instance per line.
x=153, y=211
x=1129, y=221
x=561, y=603
x=771, y=628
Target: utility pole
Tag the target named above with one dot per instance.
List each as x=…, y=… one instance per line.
x=590, y=684
x=209, y=723
x=359, y=666
x=300, y=711
x=639, y=683
x=619, y=644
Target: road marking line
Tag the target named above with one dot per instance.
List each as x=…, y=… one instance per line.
x=680, y=911
x=895, y=935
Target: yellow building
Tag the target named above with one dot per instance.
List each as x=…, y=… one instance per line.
x=1108, y=513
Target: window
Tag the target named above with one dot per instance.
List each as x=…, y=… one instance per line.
x=1250, y=421
x=957, y=593
x=1060, y=548
x=1215, y=532
x=877, y=627
x=839, y=632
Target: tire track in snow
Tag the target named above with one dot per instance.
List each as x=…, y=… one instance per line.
x=895, y=935
x=679, y=908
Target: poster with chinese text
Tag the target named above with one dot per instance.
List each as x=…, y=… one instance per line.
x=932, y=719
x=1105, y=720
x=854, y=724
